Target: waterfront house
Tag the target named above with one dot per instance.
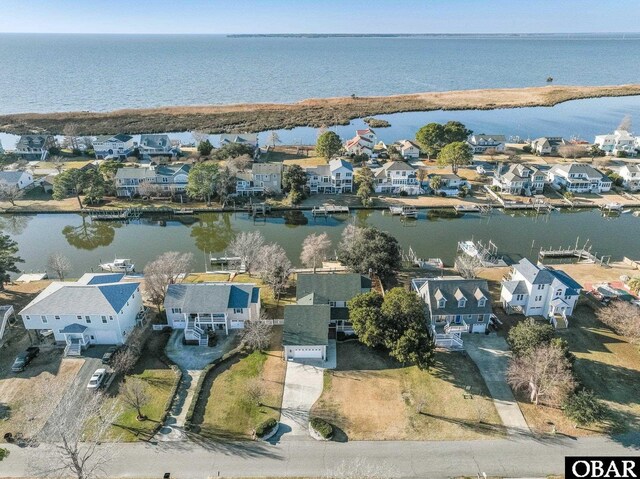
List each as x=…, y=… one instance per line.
x=96, y=309
x=540, y=291
x=578, y=178
x=263, y=178
x=336, y=177
x=247, y=139
x=157, y=145
x=519, y=179
x=481, y=143
x=454, y=306
x=169, y=179
x=320, y=312
x=34, y=147
x=19, y=178
x=362, y=144
x=201, y=307
x=395, y=177
x=630, y=177
x=620, y=141
x=408, y=149
x=450, y=184
x=117, y=147
x=547, y=145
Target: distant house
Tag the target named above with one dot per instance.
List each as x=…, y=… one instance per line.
x=630, y=177
x=170, y=179
x=620, y=141
x=578, y=178
x=547, y=145
x=450, y=184
x=408, y=149
x=47, y=183
x=117, y=147
x=201, y=307
x=481, y=143
x=454, y=305
x=540, y=291
x=247, y=139
x=396, y=176
x=19, y=179
x=320, y=312
x=336, y=177
x=96, y=309
x=519, y=179
x=262, y=178
x=34, y=147
x=362, y=144
x=157, y=145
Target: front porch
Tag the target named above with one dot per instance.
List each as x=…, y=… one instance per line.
x=198, y=326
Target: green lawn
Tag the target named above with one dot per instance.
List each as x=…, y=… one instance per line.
x=229, y=413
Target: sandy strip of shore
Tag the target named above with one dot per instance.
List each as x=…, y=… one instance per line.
x=313, y=112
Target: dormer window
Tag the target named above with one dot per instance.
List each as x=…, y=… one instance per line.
x=482, y=302
x=462, y=303
x=441, y=303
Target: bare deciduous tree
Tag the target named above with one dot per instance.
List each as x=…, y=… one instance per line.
x=76, y=434
x=545, y=373
x=491, y=153
x=59, y=264
x=626, y=123
x=70, y=132
x=571, y=151
x=247, y=246
x=468, y=266
x=273, y=138
x=240, y=163
x=57, y=162
x=150, y=189
x=257, y=334
x=166, y=269
x=255, y=391
x=125, y=359
x=135, y=394
x=314, y=249
x=623, y=318
x=10, y=193
x=274, y=268
x=199, y=136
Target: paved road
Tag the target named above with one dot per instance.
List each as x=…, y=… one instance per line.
x=491, y=354
x=513, y=457
x=302, y=388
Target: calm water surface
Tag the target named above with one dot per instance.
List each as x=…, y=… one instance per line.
x=86, y=242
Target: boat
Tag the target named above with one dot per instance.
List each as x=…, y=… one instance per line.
x=431, y=263
x=409, y=212
x=183, y=211
x=225, y=259
x=467, y=208
x=469, y=248
x=612, y=206
x=119, y=265
x=636, y=214
x=480, y=169
x=624, y=212
x=395, y=210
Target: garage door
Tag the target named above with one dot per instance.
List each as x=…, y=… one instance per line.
x=104, y=337
x=479, y=327
x=307, y=353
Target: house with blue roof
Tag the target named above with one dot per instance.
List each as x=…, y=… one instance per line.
x=99, y=308
x=201, y=307
x=537, y=290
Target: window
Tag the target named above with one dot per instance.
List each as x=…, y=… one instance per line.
x=87, y=319
x=44, y=319
x=462, y=303
x=481, y=319
x=79, y=318
x=238, y=310
x=538, y=298
x=558, y=292
x=176, y=310
x=27, y=318
x=104, y=319
x=110, y=318
x=441, y=303
x=57, y=317
x=332, y=304
x=483, y=301
x=541, y=286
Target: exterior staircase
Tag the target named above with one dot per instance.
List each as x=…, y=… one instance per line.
x=194, y=332
x=74, y=348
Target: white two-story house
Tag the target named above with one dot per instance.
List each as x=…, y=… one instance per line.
x=361, y=144
x=616, y=142
x=200, y=307
x=578, y=178
x=170, y=179
x=117, y=147
x=336, y=177
x=157, y=145
x=450, y=184
x=408, y=149
x=96, y=309
x=519, y=179
x=630, y=177
x=263, y=178
x=396, y=176
x=455, y=305
x=540, y=291
x=481, y=143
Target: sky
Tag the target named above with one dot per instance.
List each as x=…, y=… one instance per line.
x=319, y=16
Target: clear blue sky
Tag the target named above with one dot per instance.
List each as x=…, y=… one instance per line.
x=319, y=16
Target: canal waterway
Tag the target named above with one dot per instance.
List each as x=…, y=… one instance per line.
x=517, y=235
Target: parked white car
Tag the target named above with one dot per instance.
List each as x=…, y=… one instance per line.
x=97, y=379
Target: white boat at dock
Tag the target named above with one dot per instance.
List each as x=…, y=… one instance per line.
x=469, y=248
x=409, y=212
x=467, y=208
x=119, y=265
x=612, y=206
x=395, y=210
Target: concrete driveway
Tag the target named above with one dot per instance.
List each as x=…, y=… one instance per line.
x=491, y=354
x=302, y=388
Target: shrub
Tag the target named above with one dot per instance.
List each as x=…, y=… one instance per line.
x=621, y=154
x=584, y=408
x=568, y=195
x=266, y=427
x=322, y=427
x=3, y=453
x=404, y=193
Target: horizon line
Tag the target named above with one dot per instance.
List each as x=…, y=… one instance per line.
x=399, y=34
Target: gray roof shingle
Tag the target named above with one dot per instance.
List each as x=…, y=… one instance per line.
x=210, y=297
x=306, y=325
x=471, y=289
x=331, y=287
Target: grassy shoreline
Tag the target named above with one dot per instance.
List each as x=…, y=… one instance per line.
x=312, y=112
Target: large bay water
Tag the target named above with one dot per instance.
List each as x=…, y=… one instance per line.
x=86, y=243
x=42, y=73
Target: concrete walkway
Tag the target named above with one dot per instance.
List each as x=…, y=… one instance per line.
x=191, y=360
x=491, y=354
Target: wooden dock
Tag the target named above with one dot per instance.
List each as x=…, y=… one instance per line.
x=583, y=254
x=116, y=215
x=328, y=210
